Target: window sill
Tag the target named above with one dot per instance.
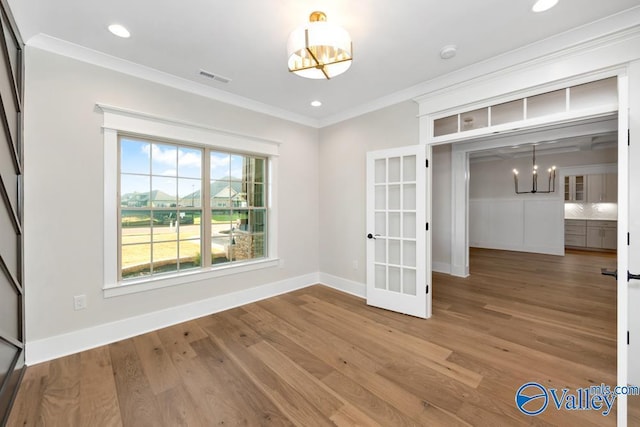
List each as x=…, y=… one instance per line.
x=151, y=283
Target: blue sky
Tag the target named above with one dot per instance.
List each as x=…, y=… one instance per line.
x=175, y=170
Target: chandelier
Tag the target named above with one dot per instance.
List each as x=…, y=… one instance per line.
x=319, y=50
x=534, y=178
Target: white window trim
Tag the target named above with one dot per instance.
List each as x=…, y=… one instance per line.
x=123, y=121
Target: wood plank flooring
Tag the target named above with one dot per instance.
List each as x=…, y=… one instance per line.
x=319, y=357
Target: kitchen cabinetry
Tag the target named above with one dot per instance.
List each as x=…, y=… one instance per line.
x=575, y=232
x=602, y=188
x=602, y=234
x=590, y=234
x=575, y=188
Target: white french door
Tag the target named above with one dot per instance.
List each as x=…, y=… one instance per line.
x=398, y=263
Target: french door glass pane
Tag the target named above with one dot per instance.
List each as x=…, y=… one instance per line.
x=394, y=169
x=381, y=197
x=381, y=223
x=380, y=171
x=409, y=253
x=394, y=197
x=381, y=250
x=381, y=276
x=394, y=224
x=409, y=168
x=409, y=281
x=395, y=283
x=394, y=252
x=409, y=225
x=409, y=197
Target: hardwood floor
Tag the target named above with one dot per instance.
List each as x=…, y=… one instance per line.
x=320, y=357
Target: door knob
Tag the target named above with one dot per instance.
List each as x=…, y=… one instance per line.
x=606, y=272
x=371, y=236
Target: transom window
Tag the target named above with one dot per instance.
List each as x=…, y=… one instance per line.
x=186, y=207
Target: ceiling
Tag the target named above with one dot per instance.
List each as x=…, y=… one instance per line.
x=586, y=135
x=396, y=45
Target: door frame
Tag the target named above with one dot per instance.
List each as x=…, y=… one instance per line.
x=460, y=174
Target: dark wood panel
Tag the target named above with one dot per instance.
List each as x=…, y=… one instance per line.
x=321, y=357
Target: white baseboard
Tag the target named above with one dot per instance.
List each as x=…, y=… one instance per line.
x=84, y=339
x=441, y=267
x=345, y=285
x=547, y=250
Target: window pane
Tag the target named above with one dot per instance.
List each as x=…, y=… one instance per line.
x=165, y=257
x=189, y=162
x=221, y=193
x=163, y=193
x=547, y=103
x=165, y=225
x=134, y=191
x=257, y=220
x=135, y=260
x=189, y=193
x=259, y=246
x=237, y=171
x=134, y=156
x=475, y=119
x=258, y=170
x=189, y=226
x=601, y=92
x=164, y=160
x=507, y=112
x=256, y=199
x=135, y=227
x=445, y=126
x=220, y=165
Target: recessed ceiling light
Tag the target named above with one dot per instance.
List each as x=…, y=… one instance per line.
x=316, y=103
x=448, y=51
x=119, y=30
x=542, y=5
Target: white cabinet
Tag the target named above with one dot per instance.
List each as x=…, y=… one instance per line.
x=575, y=188
x=602, y=188
x=592, y=234
x=575, y=232
x=602, y=234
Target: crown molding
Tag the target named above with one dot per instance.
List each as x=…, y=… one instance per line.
x=612, y=29
x=81, y=53
x=609, y=30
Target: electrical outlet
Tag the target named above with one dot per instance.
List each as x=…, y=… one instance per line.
x=281, y=263
x=79, y=302
x=355, y=264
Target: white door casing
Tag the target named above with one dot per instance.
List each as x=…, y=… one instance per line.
x=398, y=243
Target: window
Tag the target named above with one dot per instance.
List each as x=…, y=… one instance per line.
x=186, y=234
x=165, y=207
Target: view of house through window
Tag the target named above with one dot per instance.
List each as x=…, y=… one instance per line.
x=166, y=208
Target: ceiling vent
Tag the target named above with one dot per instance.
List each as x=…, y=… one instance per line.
x=216, y=77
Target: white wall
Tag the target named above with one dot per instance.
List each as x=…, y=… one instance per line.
x=343, y=149
x=500, y=219
x=63, y=193
x=494, y=179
